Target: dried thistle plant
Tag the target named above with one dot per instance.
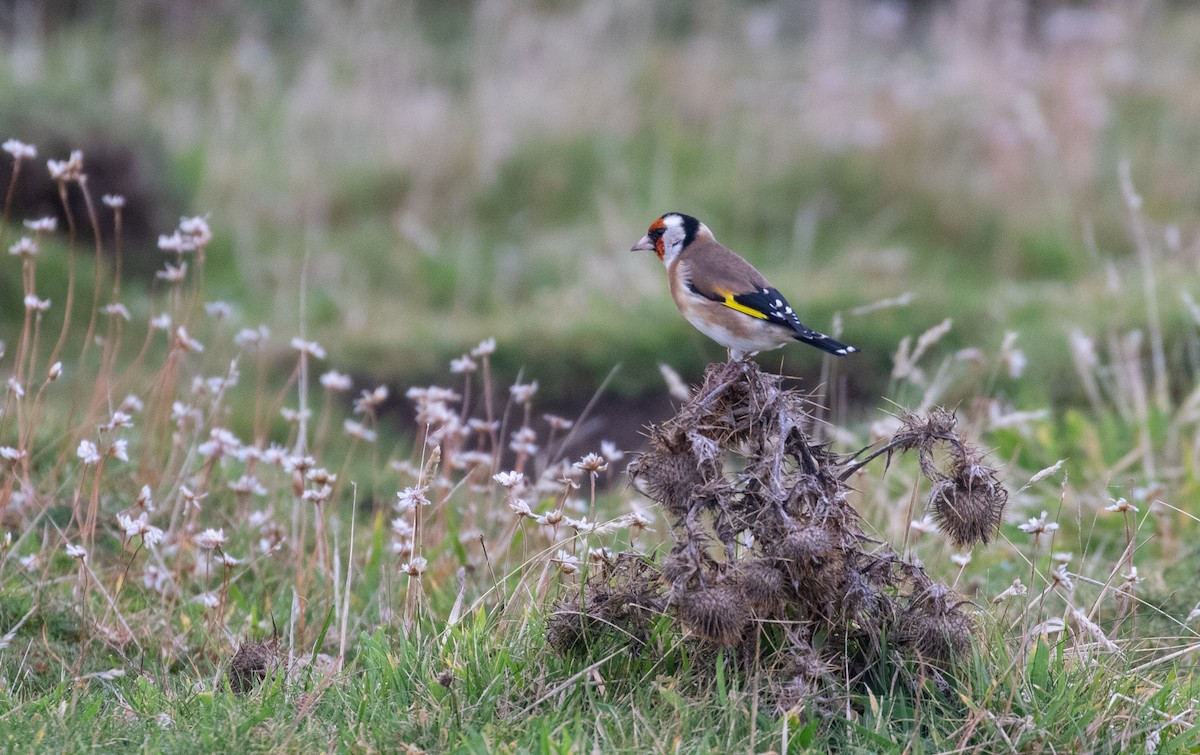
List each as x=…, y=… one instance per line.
x=766, y=540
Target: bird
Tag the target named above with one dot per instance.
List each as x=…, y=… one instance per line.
x=722, y=295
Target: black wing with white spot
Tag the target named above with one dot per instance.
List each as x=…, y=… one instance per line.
x=774, y=308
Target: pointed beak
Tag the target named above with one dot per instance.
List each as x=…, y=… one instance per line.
x=646, y=244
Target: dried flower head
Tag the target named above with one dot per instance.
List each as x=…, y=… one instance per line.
x=969, y=503
x=717, y=614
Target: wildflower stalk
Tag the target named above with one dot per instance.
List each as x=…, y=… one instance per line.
x=18, y=160
x=101, y=385
x=71, y=254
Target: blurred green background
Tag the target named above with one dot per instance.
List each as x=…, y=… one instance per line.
x=456, y=170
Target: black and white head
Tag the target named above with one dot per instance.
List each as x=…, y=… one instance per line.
x=669, y=235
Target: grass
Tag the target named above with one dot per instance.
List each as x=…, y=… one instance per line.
x=402, y=596
x=389, y=622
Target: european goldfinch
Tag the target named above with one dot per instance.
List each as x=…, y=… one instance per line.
x=722, y=295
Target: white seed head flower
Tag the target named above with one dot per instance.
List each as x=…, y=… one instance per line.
x=211, y=538
x=132, y=403
x=220, y=443
x=335, y=381
x=19, y=150
x=609, y=451
x=42, y=225
x=1038, y=525
x=34, y=304
x=522, y=393
x=67, y=170
x=118, y=420
x=509, y=479
x=115, y=201
x=141, y=526
x=411, y=497
x=207, y=599
x=15, y=387
x=520, y=507
x=566, y=562
x=55, y=372
x=227, y=560
x=172, y=273
x=247, y=484
x=191, y=497
x=251, y=337
x=197, y=230
x=1015, y=590
x=639, y=519
x=960, y=559
x=294, y=415
x=485, y=348
x=296, y=463
x=275, y=454
x=415, y=567
x=25, y=247
x=591, y=464
x=359, y=430
x=218, y=310
x=8, y=453
x=312, y=348
x=463, y=365
x=318, y=495
x=368, y=401
x=76, y=552
x=144, y=499
x=117, y=309
x=402, y=528
x=186, y=342
x=88, y=453
x=321, y=476
x=119, y=449
x=1060, y=577
x=258, y=519
x=1121, y=505
x=523, y=441
x=177, y=243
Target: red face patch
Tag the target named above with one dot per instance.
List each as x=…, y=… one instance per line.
x=656, y=232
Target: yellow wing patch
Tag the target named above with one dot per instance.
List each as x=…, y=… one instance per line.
x=736, y=305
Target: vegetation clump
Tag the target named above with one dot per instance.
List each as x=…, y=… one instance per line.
x=766, y=540
x=251, y=664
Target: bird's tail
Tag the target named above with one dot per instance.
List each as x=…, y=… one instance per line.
x=825, y=343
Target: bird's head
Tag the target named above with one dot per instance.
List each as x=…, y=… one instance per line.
x=669, y=235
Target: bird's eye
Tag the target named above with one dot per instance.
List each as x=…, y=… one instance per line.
x=656, y=233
